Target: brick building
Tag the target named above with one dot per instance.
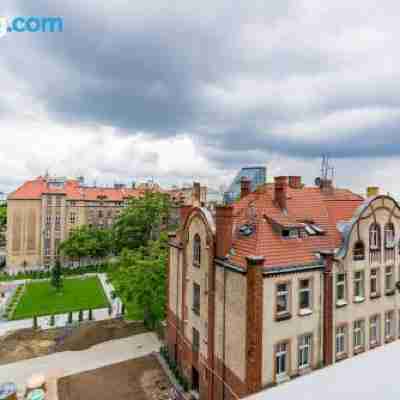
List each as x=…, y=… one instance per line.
x=42, y=212
x=286, y=280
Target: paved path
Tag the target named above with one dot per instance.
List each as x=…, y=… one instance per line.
x=73, y=362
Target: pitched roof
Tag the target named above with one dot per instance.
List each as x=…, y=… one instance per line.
x=34, y=189
x=306, y=205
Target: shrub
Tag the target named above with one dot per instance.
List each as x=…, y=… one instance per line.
x=70, y=317
x=52, y=320
x=35, y=322
x=80, y=317
x=109, y=310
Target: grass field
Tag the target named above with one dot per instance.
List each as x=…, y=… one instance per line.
x=40, y=298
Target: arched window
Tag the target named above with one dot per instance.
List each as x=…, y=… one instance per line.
x=359, y=251
x=375, y=237
x=389, y=235
x=196, y=251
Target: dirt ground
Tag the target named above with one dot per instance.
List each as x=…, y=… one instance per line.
x=139, y=379
x=30, y=343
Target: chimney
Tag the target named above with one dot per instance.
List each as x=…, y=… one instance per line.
x=281, y=184
x=327, y=186
x=295, y=182
x=245, y=186
x=372, y=191
x=224, y=227
x=196, y=194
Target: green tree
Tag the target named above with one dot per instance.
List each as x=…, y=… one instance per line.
x=142, y=220
x=140, y=279
x=56, y=276
x=86, y=241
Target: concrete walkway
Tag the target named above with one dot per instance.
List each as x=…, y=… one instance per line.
x=73, y=362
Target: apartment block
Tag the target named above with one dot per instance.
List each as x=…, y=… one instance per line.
x=286, y=280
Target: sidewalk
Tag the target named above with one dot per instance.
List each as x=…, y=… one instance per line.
x=73, y=362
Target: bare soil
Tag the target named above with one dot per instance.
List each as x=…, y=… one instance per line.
x=30, y=343
x=138, y=379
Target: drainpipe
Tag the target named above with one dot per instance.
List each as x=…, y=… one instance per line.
x=223, y=340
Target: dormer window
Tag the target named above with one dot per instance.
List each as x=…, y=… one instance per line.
x=290, y=233
x=375, y=237
x=196, y=250
x=359, y=251
x=389, y=236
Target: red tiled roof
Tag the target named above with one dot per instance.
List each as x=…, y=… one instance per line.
x=310, y=204
x=72, y=189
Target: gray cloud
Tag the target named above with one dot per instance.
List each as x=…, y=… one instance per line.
x=245, y=82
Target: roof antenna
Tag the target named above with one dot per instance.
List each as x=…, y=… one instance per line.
x=327, y=172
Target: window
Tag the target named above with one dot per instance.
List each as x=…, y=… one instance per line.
x=341, y=341
x=340, y=289
x=358, y=286
x=305, y=295
x=47, y=247
x=375, y=237
x=58, y=223
x=196, y=340
x=358, y=334
x=359, y=251
x=72, y=218
x=305, y=347
x=389, y=279
x=389, y=235
x=196, y=298
x=374, y=282
x=281, y=359
x=196, y=250
x=48, y=219
x=374, y=328
x=100, y=214
x=282, y=299
x=389, y=325
x=58, y=201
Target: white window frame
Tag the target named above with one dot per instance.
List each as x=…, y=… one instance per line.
x=305, y=351
x=389, y=236
x=308, y=289
x=358, y=334
x=281, y=354
x=376, y=279
x=374, y=326
x=373, y=237
x=285, y=294
x=340, y=301
x=389, y=324
x=359, y=282
x=340, y=340
x=390, y=275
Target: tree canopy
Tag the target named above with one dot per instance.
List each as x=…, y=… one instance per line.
x=141, y=221
x=85, y=242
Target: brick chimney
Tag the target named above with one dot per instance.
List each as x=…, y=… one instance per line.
x=224, y=227
x=196, y=194
x=281, y=185
x=295, y=182
x=245, y=186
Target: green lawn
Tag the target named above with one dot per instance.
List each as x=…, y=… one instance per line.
x=40, y=298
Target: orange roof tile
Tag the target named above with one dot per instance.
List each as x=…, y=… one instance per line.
x=72, y=189
x=325, y=209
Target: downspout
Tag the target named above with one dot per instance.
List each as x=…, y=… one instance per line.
x=223, y=340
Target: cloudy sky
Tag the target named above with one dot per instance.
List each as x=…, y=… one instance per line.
x=183, y=90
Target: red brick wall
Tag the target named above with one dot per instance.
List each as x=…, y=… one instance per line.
x=254, y=348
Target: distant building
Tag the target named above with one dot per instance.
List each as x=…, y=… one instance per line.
x=43, y=211
x=257, y=175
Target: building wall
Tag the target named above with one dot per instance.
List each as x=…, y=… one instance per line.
x=231, y=301
x=352, y=311
x=23, y=233
x=290, y=329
